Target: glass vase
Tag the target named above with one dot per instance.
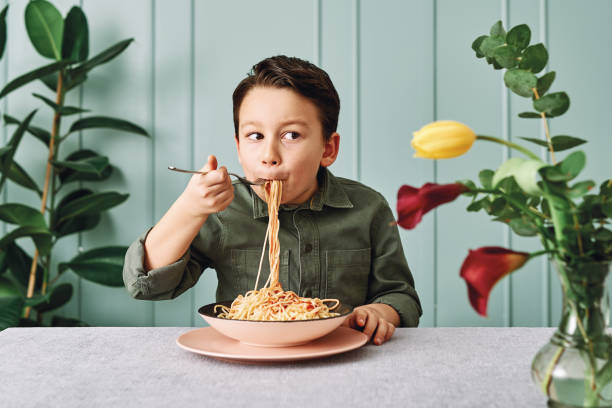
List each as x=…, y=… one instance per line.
x=574, y=369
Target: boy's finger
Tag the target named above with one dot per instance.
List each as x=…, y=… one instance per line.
x=360, y=317
x=390, y=331
x=211, y=164
x=381, y=333
x=370, y=325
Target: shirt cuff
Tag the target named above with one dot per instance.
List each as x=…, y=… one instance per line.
x=407, y=309
x=156, y=284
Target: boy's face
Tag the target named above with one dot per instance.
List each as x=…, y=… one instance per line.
x=280, y=137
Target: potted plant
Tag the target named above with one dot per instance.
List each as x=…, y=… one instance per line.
x=27, y=282
x=534, y=198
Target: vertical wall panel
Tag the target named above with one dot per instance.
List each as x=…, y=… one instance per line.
x=529, y=290
x=227, y=44
x=121, y=88
x=579, y=53
x=337, y=43
x=396, y=84
x=172, y=128
x=470, y=91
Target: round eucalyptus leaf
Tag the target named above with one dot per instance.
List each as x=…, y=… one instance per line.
x=519, y=36
x=525, y=173
x=573, y=164
x=554, y=104
x=506, y=56
x=534, y=58
x=544, y=83
x=520, y=81
x=497, y=31
x=488, y=45
x=45, y=27
x=476, y=46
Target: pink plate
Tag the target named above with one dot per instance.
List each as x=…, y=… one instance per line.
x=209, y=342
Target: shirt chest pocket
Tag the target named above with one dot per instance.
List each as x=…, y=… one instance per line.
x=245, y=264
x=348, y=271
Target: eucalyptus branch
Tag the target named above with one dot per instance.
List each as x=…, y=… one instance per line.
x=520, y=148
x=529, y=210
x=546, y=131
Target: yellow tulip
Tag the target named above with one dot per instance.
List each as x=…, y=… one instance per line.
x=442, y=140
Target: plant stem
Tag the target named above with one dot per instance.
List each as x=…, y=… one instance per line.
x=546, y=131
x=48, y=174
x=509, y=144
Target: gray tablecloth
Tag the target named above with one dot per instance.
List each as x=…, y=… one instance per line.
x=143, y=367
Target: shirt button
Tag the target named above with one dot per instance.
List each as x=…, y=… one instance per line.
x=307, y=248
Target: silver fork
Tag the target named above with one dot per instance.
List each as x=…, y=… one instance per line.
x=244, y=180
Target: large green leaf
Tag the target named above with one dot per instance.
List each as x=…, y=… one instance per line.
x=520, y=81
x=20, y=214
x=6, y=160
x=62, y=110
x=554, y=104
x=524, y=171
x=19, y=263
x=106, y=122
x=39, y=133
x=8, y=289
x=60, y=295
x=10, y=312
x=101, y=265
x=90, y=204
x=68, y=174
x=75, y=45
x=45, y=27
x=91, y=165
x=38, y=73
x=102, y=57
x=3, y=30
x=37, y=299
x=18, y=175
x=76, y=224
x=40, y=235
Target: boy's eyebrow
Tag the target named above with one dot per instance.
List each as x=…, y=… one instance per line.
x=285, y=123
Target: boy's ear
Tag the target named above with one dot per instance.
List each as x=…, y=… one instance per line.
x=330, y=153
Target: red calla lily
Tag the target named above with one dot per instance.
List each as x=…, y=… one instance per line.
x=413, y=203
x=484, y=267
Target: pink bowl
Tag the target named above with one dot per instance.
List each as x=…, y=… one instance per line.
x=271, y=333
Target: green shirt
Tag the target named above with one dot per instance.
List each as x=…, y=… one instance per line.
x=341, y=244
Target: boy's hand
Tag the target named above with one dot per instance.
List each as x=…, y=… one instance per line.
x=210, y=193
x=377, y=321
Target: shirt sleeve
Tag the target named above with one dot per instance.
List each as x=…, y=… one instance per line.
x=170, y=281
x=391, y=280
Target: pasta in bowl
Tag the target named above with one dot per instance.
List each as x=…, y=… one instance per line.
x=270, y=316
x=273, y=333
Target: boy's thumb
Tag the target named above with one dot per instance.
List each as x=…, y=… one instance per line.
x=211, y=164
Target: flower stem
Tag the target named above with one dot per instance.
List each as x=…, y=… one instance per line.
x=509, y=144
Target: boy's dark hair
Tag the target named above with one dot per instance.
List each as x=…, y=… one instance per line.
x=303, y=77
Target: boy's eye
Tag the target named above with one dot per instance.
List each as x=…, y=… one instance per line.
x=254, y=136
x=291, y=135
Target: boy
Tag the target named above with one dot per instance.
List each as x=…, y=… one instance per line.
x=335, y=237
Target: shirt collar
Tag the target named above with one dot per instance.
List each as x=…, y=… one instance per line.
x=330, y=193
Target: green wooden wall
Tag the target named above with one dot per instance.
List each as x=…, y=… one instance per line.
x=397, y=65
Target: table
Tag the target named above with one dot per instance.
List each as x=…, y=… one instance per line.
x=143, y=367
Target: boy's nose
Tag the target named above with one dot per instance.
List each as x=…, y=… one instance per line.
x=270, y=156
